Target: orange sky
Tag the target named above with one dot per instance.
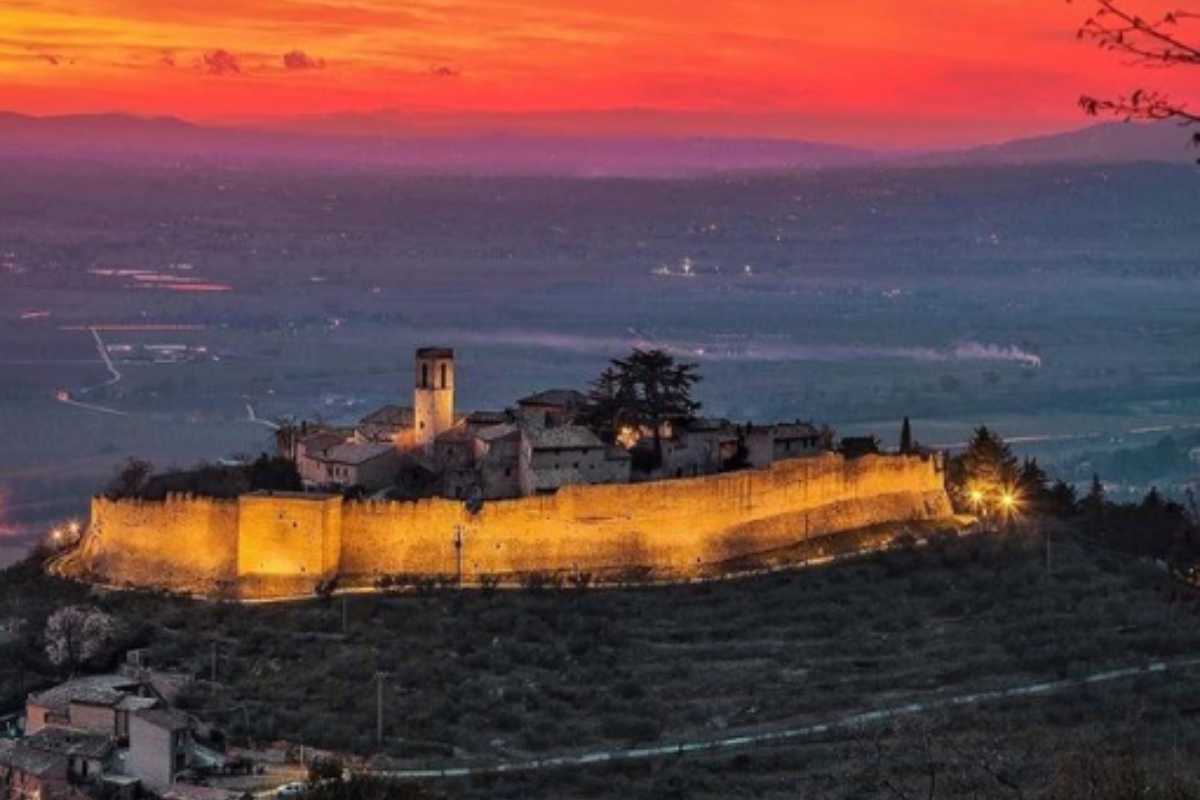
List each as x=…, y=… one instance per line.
x=857, y=71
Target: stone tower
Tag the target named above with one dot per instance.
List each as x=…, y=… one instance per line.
x=433, y=395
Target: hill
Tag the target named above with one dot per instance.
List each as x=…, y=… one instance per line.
x=480, y=677
x=1109, y=142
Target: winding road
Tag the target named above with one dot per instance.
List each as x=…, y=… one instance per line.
x=775, y=736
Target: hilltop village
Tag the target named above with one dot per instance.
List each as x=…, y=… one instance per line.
x=539, y=445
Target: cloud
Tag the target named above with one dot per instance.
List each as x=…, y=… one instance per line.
x=50, y=58
x=221, y=62
x=444, y=71
x=298, y=59
x=167, y=59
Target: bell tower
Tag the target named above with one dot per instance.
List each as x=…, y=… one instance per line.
x=433, y=394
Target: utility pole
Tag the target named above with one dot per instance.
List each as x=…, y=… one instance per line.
x=379, y=676
x=458, y=552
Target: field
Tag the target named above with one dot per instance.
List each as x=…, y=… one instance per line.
x=475, y=677
x=1056, y=303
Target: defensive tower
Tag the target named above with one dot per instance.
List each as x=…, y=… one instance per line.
x=433, y=394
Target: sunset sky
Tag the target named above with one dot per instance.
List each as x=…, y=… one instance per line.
x=859, y=72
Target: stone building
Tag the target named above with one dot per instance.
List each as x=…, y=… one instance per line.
x=551, y=407
x=102, y=729
x=30, y=774
x=698, y=447
x=99, y=704
x=387, y=424
x=371, y=465
x=160, y=746
x=766, y=444
x=553, y=457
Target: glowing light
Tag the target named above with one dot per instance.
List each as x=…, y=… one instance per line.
x=976, y=496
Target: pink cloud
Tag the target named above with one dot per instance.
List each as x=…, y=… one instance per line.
x=298, y=59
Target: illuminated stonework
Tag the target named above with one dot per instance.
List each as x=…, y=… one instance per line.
x=262, y=546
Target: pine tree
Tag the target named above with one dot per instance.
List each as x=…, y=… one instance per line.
x=647, y=388
x=906, y=440
x=1094, y=503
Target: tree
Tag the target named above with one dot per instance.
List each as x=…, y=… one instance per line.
x=277, y=474
x=77, y=635
x=130, y=479
x=987, y=465
x=1157, y=42
x=1094, y=503
x=1032, y=482
x=609, y=398
x=646, y=389
x=906, y=440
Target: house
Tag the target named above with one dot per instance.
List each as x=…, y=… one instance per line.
x=391, y=423
x=87, y=753
x=553, y=457
x=160, y=746
x=697, y=447
x=30, y=774
x=766, y=444
x=499, y=461
x=98, y=703
x=371, y=465
x=551, y=407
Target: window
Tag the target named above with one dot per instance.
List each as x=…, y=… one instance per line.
x=424, y=376
x=443, y=376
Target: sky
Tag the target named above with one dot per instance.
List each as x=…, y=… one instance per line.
x=881, y=73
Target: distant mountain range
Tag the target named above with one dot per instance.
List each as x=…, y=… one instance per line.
x=544, y=144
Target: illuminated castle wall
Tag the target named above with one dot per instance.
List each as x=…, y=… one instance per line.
x=262, y=546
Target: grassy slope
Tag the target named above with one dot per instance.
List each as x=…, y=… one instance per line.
x=490, y=676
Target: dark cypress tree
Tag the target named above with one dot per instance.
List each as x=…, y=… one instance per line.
x=906, y=440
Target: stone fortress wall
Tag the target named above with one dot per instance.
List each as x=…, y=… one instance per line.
x=263, y=546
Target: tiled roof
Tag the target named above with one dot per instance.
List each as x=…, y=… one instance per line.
x=320, y=442
x=567, y=398
x=353, y=453
x=562, y=437
x=459, y=433
x=390, y=415
x=17, y=755
x=105, y=690
x=496, y=432
x=477, y=418
x=795, y=430
x=70, y=742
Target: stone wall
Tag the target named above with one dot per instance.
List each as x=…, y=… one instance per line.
x=176, y=543
x=272, y=545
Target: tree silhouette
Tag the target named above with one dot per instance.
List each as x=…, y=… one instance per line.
x=906, y=440
x=646, y=389
x=1157, y=42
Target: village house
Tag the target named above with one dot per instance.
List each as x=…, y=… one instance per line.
x=27, y=773
x=112, y=729
x=537, y=447
x=553, y=457
x=551, y=407
x=371, y=465
x=766, y=444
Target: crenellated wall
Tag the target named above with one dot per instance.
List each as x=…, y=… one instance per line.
x=275, y=545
